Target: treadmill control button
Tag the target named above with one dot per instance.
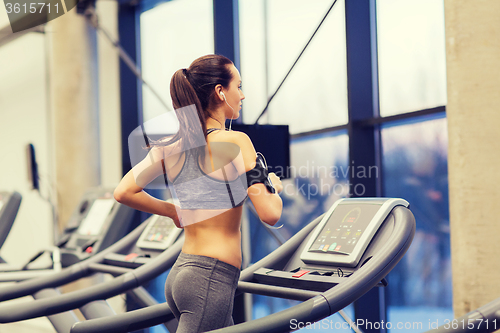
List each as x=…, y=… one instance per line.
x=300, y=273
x=130, y=256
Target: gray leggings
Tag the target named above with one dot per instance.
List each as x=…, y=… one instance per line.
x=200, y=291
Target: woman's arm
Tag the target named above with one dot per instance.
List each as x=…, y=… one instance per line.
x=268, y=205
x=130, y=189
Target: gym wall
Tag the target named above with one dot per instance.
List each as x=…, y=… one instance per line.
x=60, y=91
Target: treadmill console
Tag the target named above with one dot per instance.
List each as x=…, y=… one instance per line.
x=159, y=234
x=95, y=224
x=343, y=235
x=349, y=234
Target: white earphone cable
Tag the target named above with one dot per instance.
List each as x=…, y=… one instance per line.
x=232, y=116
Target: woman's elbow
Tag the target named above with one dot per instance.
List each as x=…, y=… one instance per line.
x=271, y=216
x=120, y=195
x=272, y=220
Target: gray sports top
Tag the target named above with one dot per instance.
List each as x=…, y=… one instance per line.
x=196, y=190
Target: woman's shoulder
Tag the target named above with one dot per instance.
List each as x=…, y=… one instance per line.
x=239, y=138
x=162, y=148
x=239, y=142
x=233, y=147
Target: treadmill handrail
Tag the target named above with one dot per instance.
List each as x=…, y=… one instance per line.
x=72, y=300
x=110, y=269
x=67, y=274
x=276, y=291
x=126, y=322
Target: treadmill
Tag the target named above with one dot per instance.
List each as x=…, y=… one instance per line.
x=327, y=265
x=96, y=223
x=142, y=255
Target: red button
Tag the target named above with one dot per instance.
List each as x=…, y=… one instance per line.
x=89, y=249
x=130, y=256
x=300, y=273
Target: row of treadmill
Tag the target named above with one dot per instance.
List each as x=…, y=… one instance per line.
x=334, y=260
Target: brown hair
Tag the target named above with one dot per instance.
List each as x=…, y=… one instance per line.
x=195, y=86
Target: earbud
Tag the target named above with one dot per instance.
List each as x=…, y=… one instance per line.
x=224, y=96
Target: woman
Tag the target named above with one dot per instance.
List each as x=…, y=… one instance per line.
x=209, y=185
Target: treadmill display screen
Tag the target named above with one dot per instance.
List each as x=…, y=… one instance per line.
x=344, y=228
x=96, y=217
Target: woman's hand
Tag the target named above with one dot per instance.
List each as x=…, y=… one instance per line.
x=278, y=186
x=177, y=222
x=173, y=211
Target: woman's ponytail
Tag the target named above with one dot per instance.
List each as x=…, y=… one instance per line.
x=193, y=95
x=189, y=111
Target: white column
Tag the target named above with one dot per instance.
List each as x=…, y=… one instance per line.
x=75, y=123
x=473, y=111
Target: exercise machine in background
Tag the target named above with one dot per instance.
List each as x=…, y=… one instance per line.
x=97, y=222
x=142, y=255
